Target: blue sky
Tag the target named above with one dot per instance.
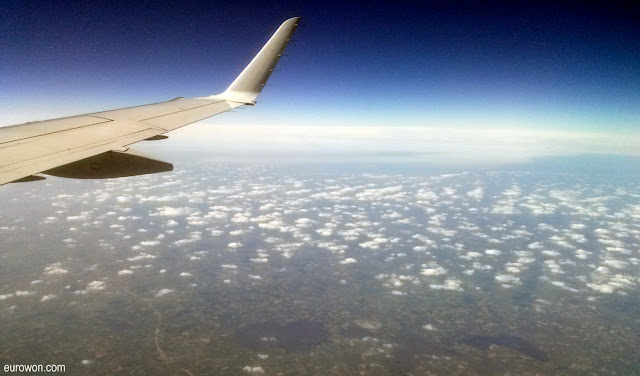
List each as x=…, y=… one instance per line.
x=550, y=67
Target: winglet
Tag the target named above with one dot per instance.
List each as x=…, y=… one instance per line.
x=248, y=85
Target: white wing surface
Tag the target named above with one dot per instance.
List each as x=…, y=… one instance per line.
x=96, y=145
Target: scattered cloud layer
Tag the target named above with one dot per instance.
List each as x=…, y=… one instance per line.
x=412, y=235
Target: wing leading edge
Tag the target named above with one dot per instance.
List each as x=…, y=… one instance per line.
x=96, y=145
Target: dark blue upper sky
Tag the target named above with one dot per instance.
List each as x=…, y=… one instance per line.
x=382, y=63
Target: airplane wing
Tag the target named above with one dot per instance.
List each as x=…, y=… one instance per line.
x=96, y=145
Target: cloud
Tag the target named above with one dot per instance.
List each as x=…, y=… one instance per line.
x=95, y=286
x=449, y=284
x=429, y=144
x=78, y=218
x=141, y=256
x=55, y=269
x=167, y=211
x=476, y=194
x=163, y=292
x=149, y=243
x=433, y=269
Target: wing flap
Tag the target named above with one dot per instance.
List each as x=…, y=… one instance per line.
x=112, y=164
x=9, y=173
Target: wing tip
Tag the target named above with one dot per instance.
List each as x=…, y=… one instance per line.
x=248, y=85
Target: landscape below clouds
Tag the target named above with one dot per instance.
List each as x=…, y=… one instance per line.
x=268, y=267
